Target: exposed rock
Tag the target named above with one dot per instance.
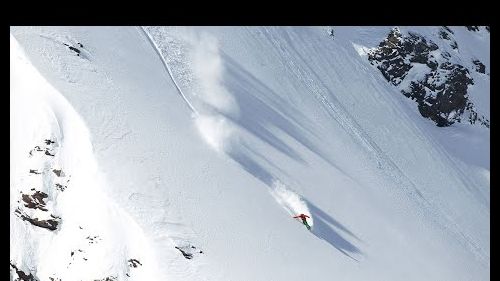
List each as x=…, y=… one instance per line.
x=50, y=224
x=74, y=50
x=93, y=239
x=442, y=94
x=35, y=201
x=472, y=27
x=448, y=30
x=331, y=33
x=389, y=58
x=188, y=251
x=21, y=275
x=134, y=263
x=34, y=172
x=37, y=148
x=60, y=187
x=446, y=34
x=58, y=173
x=442, y=102
x=480, y=67
x=395, y=55
x=109, y=278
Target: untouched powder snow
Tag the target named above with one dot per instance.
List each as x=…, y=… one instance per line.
x=190, y=149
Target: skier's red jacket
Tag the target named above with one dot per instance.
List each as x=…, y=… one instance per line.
x=302, y=216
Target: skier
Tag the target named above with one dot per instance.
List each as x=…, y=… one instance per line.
x=304, y=220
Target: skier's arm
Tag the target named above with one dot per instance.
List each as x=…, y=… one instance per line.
x=307, y=216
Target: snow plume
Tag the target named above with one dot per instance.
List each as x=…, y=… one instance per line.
x=193, y=60
x=209, y=70
x=215, y=130
x=290, y=201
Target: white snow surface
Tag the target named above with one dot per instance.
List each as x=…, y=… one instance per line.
x=217, y=136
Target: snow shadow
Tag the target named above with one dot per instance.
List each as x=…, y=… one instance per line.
x=328, y=229
x=252, y=167
x=263, y=113
x=325, y=226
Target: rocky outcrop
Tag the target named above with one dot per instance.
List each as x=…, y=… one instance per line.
x=441, y=94
x=480, y=67
x=33, y=202
x=446, y=33
x=188, y=251
x=472, y=27
x=20, y=275
x=50, y=224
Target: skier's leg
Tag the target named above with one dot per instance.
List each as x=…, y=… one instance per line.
x=306, y=224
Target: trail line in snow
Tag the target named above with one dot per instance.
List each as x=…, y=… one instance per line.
x=165, y=64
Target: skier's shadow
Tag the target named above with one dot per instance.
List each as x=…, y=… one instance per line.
x=327, y=228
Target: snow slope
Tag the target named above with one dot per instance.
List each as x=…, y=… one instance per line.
x=214, y=137
x=93, y=232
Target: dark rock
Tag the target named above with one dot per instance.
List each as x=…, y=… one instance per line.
x=60, y=187
x=58, y=173
x=395, y=55
x=34, y=172
x=444, y=35
x=448, y=30
x=454, y=45
x=185, y=254
x=188, y=251
x=331, y=33
x=442, y=94
x=134, y=263
x=109, y=278
x=480, y=67
x=74, y=50
x=50, y=224
x=49, y=142
x=35, y=201
x=472, y=27
x=448, y=100
x=21, y=275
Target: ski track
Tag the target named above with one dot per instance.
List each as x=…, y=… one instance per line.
x=336, y=110
x=290, y=200
x=157, y=50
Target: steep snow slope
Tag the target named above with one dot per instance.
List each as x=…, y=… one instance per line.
x=62, y=225
x=214, y=137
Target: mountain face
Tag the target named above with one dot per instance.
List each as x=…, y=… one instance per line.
x=184, y=153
